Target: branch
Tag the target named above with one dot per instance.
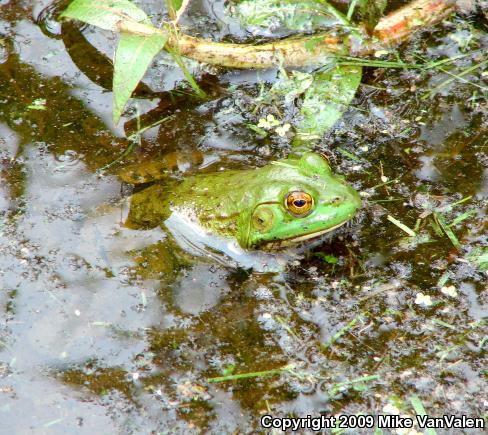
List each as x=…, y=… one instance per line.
x=306, y=50
x=401, y=24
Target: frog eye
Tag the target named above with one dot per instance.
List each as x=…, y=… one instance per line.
x=299, y=203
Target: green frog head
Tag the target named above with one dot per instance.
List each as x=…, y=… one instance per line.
x=287, y=201
x=300, y=199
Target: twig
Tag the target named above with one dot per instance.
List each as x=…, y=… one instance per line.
x=181, y=11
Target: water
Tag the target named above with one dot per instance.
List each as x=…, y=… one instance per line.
x=106, y=329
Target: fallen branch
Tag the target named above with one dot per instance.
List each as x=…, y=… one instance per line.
x=306, y=50
x=399, y=25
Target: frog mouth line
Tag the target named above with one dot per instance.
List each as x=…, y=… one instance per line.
x=294, y=240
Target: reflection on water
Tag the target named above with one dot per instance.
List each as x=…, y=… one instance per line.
x=108, y=329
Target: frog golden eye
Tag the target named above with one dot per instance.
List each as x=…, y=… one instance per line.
x=299, y=203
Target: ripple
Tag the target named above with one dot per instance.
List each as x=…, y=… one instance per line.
x=47, y=18
x=69, y=159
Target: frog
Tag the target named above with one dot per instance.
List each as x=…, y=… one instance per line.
x=287, y=202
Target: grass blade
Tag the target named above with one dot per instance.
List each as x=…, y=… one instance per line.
x=462, y=217
x=340, y=333
x=455, y=77
x=403, y=227
x=179, y=61
x=420, y=410
x=452, y=237
x=249, y=375
x=338, y=386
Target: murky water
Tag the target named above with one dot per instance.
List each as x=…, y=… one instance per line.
x=106, y=329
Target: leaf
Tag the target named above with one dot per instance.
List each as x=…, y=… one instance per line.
x=480, y=257
x=331, y=259
x=229, y=369
x=132, y=58
x=289, y=87
x=177, y=4
x=105, y=13
x=276, y=15
x=483, y=262
x=326, y=99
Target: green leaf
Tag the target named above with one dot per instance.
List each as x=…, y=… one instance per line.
x=132, y=58
x=105, y=13
x=177, y=4
x=483, y=262
x=480, y=257
x=331, y=259
x=229, y=369
x=300, y=15
x=326, y=99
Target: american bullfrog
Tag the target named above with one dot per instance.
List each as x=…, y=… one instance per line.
x=285, y=202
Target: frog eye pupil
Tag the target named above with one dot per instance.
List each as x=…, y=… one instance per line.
x=299, y=203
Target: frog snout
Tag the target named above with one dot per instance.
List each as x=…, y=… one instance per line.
x=335, y=200
x=347, y=196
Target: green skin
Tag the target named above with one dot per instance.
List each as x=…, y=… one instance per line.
x=249, y=205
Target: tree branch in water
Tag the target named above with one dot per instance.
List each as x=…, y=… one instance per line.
x=393, y=29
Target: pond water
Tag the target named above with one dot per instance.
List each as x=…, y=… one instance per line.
x=107, y=329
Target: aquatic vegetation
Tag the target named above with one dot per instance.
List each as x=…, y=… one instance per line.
x=140, y=42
